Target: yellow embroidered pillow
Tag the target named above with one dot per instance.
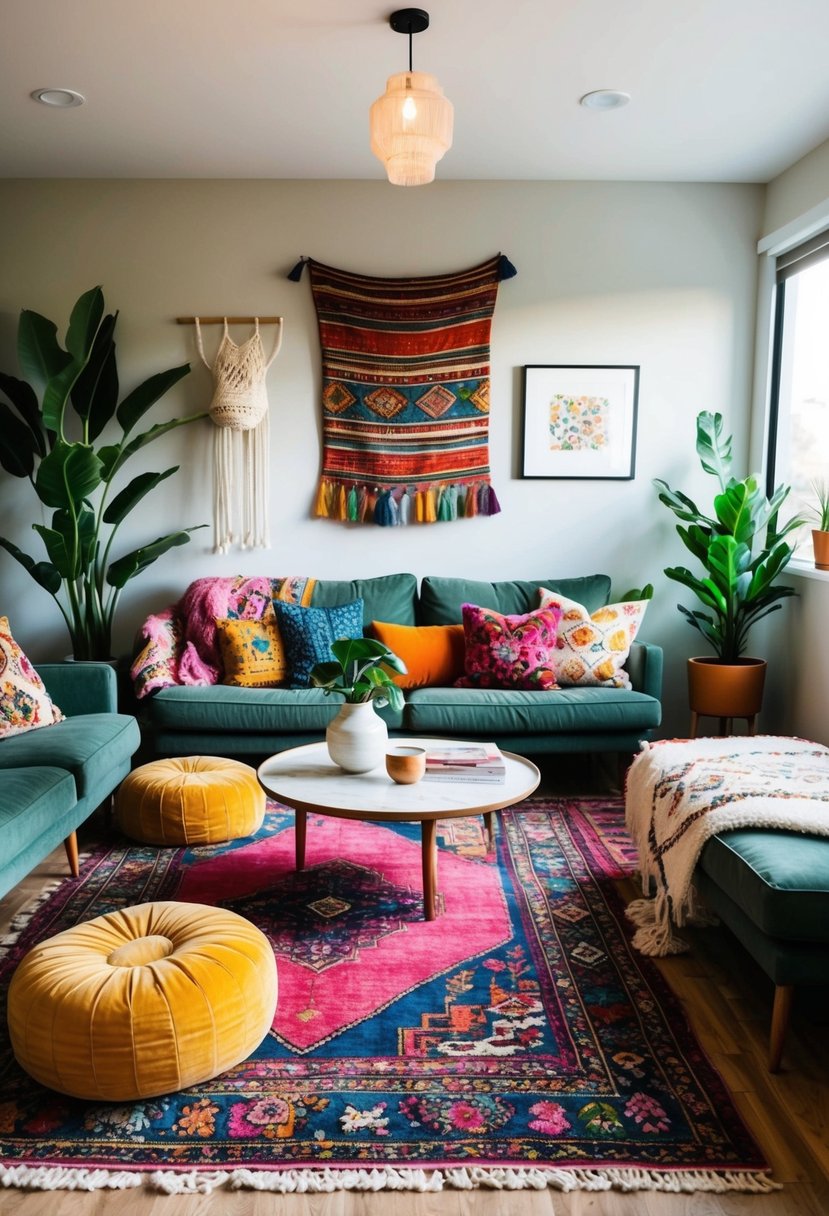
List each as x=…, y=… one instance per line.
x=24, y=702
x=593, y=648
x=252, y=652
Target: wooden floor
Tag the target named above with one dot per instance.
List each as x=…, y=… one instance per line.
x=728, y=1002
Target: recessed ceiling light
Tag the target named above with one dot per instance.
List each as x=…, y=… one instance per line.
x=604, y=99
x=62, y=99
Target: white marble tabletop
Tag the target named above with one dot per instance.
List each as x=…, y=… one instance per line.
x=306, y=777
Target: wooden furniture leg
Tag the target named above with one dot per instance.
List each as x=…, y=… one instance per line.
x=783, y=994
x=694, y=725
x=428, y=844
x=489, y=824
x=752, y=724
x=300, y=826
x=71, y=846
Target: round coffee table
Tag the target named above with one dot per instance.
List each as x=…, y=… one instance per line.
x=307, y=779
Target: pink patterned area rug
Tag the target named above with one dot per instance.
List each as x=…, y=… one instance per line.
x=514, y=1041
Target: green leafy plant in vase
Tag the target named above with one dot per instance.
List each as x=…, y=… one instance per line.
x=50, y=432
x=362, y=672
x=820, y=515
x=742, y=552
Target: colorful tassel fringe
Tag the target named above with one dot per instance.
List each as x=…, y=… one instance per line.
x=393, y=508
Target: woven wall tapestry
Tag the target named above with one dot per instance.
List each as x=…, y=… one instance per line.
x=405, y=393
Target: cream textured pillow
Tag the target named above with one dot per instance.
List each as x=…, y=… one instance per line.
x=592, y=649
x=24, y=702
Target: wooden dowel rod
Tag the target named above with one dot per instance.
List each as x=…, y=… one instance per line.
x=230, y=320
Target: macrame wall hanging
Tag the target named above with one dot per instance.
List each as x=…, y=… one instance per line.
x=405, y=393
x=241, y=443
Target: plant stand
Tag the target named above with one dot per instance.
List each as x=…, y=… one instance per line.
x=726, y=724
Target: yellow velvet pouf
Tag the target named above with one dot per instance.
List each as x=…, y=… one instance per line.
x=143, y=1001
x=192, y=800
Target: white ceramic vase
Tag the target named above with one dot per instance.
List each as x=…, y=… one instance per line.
x=357, y=738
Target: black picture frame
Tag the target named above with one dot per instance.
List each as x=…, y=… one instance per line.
x=579, y=421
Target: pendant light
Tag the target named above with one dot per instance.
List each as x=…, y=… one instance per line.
x=411, y=124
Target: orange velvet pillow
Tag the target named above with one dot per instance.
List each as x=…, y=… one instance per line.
x=433, y=654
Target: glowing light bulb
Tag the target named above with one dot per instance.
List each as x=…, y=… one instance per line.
x=409, y=108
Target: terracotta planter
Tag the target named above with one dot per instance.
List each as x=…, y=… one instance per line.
x=726, y=690
x=820, y=540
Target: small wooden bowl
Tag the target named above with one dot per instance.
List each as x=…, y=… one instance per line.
x=406, y=765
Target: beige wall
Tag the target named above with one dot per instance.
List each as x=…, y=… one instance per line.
x=804, y=185
x=804, y=691
x=663, y=275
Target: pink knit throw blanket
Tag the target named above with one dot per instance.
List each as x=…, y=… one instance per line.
x=181, y=642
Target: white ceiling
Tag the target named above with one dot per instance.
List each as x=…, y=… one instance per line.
x=723, y=90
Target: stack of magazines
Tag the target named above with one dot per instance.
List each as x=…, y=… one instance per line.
x=465, y=762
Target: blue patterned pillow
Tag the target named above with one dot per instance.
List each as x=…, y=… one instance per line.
x=307, y=634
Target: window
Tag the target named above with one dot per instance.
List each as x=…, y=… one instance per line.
x=799, y=417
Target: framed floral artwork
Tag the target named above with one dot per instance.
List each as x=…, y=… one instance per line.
x=580, y=421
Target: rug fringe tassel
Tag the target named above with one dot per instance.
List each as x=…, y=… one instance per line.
x=306, y=1181
x=59, y=1178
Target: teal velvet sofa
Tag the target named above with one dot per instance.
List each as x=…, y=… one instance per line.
x=53, y=778
x=771, y=888
x=224, y=720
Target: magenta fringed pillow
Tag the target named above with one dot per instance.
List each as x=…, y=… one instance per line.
x=509, y=651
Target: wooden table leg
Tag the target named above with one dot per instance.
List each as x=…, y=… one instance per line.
x=301, y=823
x=428, y=845
x=71, y=846
x=489, y=824
x=783, y=994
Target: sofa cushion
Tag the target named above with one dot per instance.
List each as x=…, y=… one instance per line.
x=391, y=597
x=307, y=635
x=592, y=648
x=24, y=702
x=89, y=746
x=31, y=799
x=495, y=712
x=235, y=711
x=779, y=879
x=433, y=654
x=509, y=651
x=441, y=598
x=253, y=655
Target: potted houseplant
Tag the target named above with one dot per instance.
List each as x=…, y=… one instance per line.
x=50, y=435
x=742, y=552
x=820, y=534
x=361, y=672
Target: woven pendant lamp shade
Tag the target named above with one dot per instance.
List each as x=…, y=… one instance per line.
x=411, y=128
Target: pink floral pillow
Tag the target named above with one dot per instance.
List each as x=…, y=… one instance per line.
x=509, y=651
x=24, y=702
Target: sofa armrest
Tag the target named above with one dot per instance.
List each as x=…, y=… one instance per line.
x=81, y=688
x=644, y=666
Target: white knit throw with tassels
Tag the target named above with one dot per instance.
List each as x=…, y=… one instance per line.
x=679, y=793
x=240, y=408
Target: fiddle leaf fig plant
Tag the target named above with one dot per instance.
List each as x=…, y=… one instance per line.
x=361, y=670
x=49, y=426
x=740, y=547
